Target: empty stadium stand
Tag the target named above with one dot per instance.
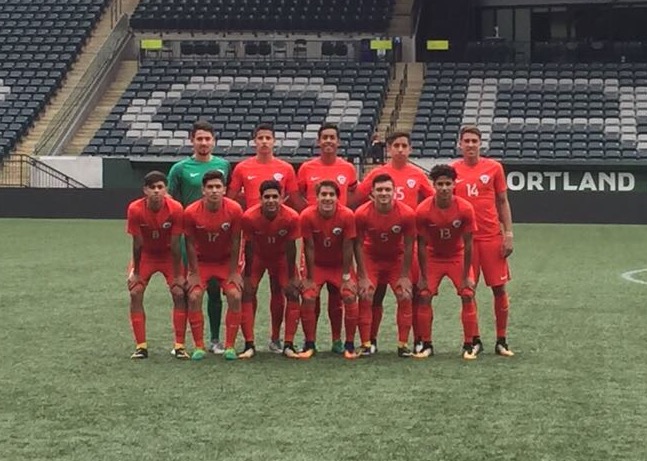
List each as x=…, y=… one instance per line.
x=536, y=111
x=154, y=116
x=256, y=15
x=39, y=41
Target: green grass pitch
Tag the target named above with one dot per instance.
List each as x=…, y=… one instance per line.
x=576, y=390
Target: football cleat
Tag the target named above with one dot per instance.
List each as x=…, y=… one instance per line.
x=230, y=354
x=373, y=346
x=180, y=353
x=275, y=347
x=306, y=353
x=477, y=346
x=501, y=348
x=289, y=352
x=198, y=354
x=248, y=353
x=417, y=347
x=404, y=352
x=140, y=353
x=337, y=347
x=216, y=347
x=426, y=351
x=468, y=352
x=350, y=355
x=364, y=351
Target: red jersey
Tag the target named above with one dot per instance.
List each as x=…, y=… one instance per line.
x=269, y=237
x=250, y=173
x=384, y=233
x=328, y=234
x=213, y=231
x=443, y=228
x=314, y=171
x=480, y=184
x=411, y=183
x=155, y=227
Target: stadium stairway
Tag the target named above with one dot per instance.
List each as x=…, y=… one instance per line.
x=126, y=72
x=96, y=40
x=412, y=92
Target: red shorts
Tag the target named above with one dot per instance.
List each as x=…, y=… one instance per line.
x=323, y=275
x=487, y=259
x=276, y=269
x=150, y=266
x=218, y=271
x=388, y=273
x=437, y=269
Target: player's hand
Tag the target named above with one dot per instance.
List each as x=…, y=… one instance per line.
x=293, y=287
x=193, y=280
x=307, y=284
x=468, y=284
x=133, y=280
x=406, y=288
x=365, y=288
x=348, y=287
x=237, y=280
x=508, y=247
x=180, y=281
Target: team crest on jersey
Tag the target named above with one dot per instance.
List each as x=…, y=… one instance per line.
x=341, y=179
x=485, y=178
x=396, y=229
x=282, y=233
x=278, y=176
x=336, y=231
x=457, y=223
x=166, y=225
x=225, y=226
x=411, y=183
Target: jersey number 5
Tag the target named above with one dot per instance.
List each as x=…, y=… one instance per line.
x=399, y=193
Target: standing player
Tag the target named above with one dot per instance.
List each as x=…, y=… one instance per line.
x=482, y=182
x=411, y=186
x=155, y=223
x=185, y=185
x=329, y=166
x=328, y=231
x=270, y=230
x=212, y=228
x=445, y=225
x=386, y=230
x=245, y=183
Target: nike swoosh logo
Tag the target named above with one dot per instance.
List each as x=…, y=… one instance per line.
x=314, y=178
x=193, y=175
x=199, y=227
x=251, y=177
x=459, y=180
x=504, y=277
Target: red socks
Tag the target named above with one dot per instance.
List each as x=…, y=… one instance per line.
x=292, y=314
x=470, y=323
x=376, y=320
x=425, y=318
x=277, y=311
x=196, y=321
x=501, y=314
x=138, y=323
x=179, y=325
x=351, y=316
x=365, y=319
x=403, y=315
x=247, y=321
x=232, y=322
x=309, y=322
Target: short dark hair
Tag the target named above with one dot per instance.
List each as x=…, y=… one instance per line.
x=382, y=178
x=442, y=170
x=264, y=127
x=270, y=184
x=327, y=126
x=154, y=176
x=397, y=134
x=327, y=183
x=473, y=129
x=202, y=125
x=213, y=174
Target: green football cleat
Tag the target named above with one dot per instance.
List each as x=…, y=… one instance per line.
x=338, y=347
x=230, y=354
x=198, y=354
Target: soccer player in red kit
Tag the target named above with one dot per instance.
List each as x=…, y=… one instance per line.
x=329, y=166
x=245, y=182
x=328, y=231
x=270, y=230
x=411, y=186
x=445, y=225
x=481, y=181
x=155, y=224
x=386, y=231
x=212, y=227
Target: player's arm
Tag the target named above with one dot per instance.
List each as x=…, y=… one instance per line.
x=309, y=254
x=295, y=198
x=134, y=229
x=505, y=217
x=175, y=183
x=360, y=194
x=138, y=246
x=235, y=186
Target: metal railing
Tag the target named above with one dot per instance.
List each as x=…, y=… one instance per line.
x=26, y=171
x=395, y=113
x=60, y=124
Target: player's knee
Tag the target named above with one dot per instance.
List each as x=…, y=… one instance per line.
x=467, y=300
x=292, y=298
x=136, y=292
x=195, y=296
x=498, y=290
x=235, y=296
x=177, y=292
x=424, y=298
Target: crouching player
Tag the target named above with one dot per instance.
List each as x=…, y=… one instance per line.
x=386, y=231
x=328, y=230
x=445, y=224
x=212, y=227
x=155, y=224
x=270, y=231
